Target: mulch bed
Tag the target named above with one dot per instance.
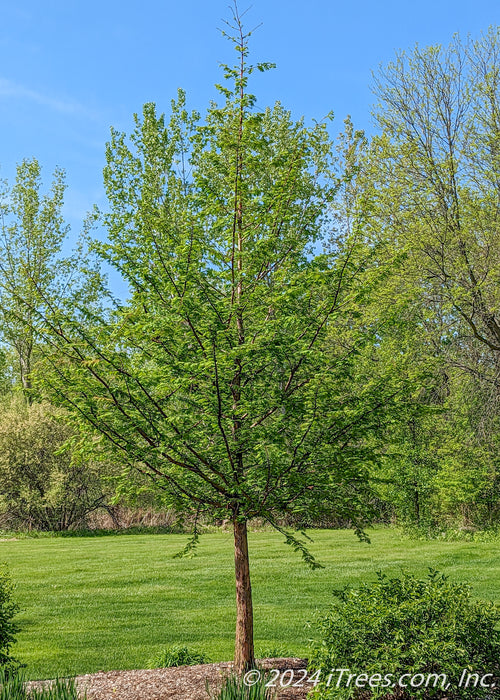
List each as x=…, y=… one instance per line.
x=180, y=683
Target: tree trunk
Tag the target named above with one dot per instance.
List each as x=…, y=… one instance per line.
x=25, y=372
x=243, y=651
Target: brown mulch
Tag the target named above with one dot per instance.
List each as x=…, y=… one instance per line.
x=180, y=683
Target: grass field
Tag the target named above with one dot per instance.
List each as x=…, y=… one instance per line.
x=102, y=603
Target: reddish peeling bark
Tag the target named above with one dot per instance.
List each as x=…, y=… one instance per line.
x=244, y=651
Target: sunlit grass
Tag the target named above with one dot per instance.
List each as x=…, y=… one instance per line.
x=114, y=602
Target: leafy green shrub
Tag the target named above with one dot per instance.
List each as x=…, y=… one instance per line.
x=177, y=656
x=234, y=688
x=8, y=628
x=13, y=687
x=43, y=486
x=406, y=625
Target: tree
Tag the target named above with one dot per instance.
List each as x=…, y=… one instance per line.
x=435, y=169
x=466, y=444
x=431, y=176
x=230, y=375
x=31, y=237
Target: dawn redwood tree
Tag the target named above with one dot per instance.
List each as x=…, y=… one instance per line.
x=229, y=376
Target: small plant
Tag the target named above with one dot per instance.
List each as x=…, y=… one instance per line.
x=177, y=656
x=234, y=688
x=409, y=626
x=8, y=628
x=60, y=689
x=273, y=652
x=13, y=686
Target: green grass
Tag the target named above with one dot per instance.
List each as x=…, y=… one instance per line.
x=102, y=603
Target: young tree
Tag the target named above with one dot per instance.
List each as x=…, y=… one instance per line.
x=230, y=375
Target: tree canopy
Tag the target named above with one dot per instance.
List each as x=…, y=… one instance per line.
x=231, y=375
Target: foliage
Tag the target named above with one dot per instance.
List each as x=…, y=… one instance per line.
x=31, y=236
x=42, y=485
x=33, y=267
x=425, y=189
x=466, y=444
x=7, y=371
x=440, y=467
x=8, y=628
x=177, y=655
x=434, y=172
x=13, y=687
x=409, y=625
x=230, y=376
x=226, y=379
x=234, y=688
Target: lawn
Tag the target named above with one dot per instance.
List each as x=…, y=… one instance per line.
x=102, y=603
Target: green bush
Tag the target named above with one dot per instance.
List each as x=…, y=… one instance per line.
x=43, y=486
x=8, y=628
x=177, y=656
x=408, y=626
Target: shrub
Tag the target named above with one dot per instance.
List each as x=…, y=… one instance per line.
x=8, y=628
x=406, y=625
x=42, y=486
x=177, y=656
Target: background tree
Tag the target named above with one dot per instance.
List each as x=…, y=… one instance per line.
x=431, y=179
x=436, y=166
x=31, y=238
x=227, y=377
x=40, y=487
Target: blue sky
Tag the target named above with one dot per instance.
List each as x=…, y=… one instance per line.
x=70, y=69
